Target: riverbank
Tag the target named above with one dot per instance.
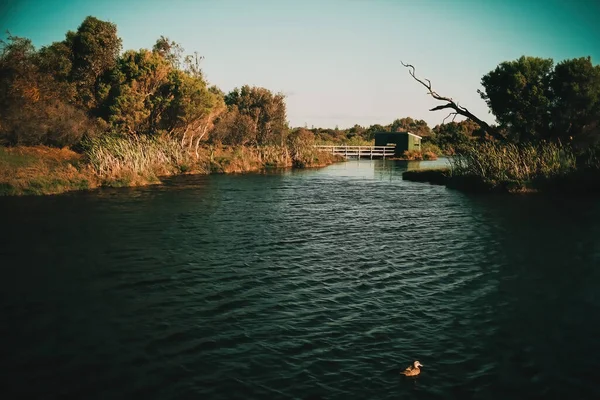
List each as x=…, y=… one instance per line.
x=41, y=170
x=510, y=168
x=581, y=182
x=443, y=176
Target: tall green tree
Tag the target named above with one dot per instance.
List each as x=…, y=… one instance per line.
x=57, y=59
x=258, y=113
x=136, y=97
x=95, y=50
x=517, y=93
x=149, y=95
x=169, y=50
x=191, y=109
x=575, y=111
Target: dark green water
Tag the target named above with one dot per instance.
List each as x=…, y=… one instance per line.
x=311, y=284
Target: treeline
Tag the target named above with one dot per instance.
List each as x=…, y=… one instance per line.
x=357, y=132
x=446, y=137
x=84, y=87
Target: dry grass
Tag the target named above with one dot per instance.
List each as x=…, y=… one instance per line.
x=245, y=159
x=418, y=155
x=123, y=161
x=131, y=161
x=43, y=170
x=228, y=159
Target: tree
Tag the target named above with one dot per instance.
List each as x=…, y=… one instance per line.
x=234, y=128
x=517, y=94
x=95, y=50
x=299, y=139
x=57, y=59
x=137, y=95
x=192, y=108
x=372, y=130
x=169, y=50
x=35, y=107
x=148, y=95
x=407, y=124
x=266, y=111
x=575, y=90
x=452, y=135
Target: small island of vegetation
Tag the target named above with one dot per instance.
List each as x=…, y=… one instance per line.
x=548, y=136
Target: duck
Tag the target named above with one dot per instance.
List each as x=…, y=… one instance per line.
x=412, y=370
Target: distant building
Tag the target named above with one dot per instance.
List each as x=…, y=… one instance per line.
x=403, y=141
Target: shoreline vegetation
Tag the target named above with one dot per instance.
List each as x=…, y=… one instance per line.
x=495, y=168
x=81, y=114
x=126, y=162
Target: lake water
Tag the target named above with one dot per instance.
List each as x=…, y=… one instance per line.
x=313, y=284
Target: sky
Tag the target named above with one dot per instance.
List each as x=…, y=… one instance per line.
x=337, y=61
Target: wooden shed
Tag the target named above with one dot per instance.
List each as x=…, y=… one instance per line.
x=403, y=141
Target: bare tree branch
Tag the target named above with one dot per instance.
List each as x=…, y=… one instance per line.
x=442, y=107
x=451, y=104
x=453, y=114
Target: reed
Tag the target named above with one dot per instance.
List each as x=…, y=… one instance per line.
x=138, y=160
x=125, y=161
x=494, y=164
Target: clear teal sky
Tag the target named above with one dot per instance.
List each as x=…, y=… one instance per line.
x=338, y=61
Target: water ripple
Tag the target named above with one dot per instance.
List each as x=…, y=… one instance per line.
x=312, y=284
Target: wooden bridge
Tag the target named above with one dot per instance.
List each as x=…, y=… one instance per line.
x=360, y=151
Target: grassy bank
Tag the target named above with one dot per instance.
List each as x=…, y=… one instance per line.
x=120, y=162
x=509, y=168
x=43, y=170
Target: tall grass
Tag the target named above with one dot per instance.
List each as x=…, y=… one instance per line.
x=42, y=170
x=498, y=164
x=236, y=159
x=136, y=158
x=120, y=161
x=133, y=161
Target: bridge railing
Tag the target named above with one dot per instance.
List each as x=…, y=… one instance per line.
x=359, y=151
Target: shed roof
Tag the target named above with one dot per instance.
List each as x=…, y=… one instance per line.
x=412, y=134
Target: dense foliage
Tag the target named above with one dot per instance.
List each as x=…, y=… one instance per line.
x=254, y=116
x=84, y=87
x=533, y=99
